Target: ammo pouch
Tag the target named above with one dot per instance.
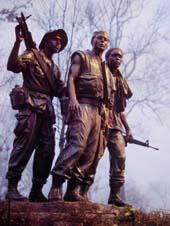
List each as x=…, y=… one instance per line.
x=18, y=97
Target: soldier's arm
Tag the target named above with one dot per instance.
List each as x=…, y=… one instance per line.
x=14, y=64
x=60, y=87
x=126, y=125
x=74, y=72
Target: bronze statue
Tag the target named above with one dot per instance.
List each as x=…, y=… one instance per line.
x=36, y=116
x=86, y=93
x=116, y=141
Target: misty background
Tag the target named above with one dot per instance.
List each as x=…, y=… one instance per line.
x=141, y=29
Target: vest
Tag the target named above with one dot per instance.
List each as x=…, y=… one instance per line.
x=90, y=82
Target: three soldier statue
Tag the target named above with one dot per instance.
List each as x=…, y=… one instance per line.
x=97, y=94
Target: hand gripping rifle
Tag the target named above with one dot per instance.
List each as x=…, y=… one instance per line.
x=30, y=44
x=138, y=142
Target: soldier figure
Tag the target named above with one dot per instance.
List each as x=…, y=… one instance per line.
x=116, y=142
x=86, y=98
x=35, y=118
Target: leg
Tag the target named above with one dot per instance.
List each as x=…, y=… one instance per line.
x=43, y=158
x=72, y=193
x=77, y=134
x=90, y=174
x=116, y=146
x=94, y=151
x=24, y=143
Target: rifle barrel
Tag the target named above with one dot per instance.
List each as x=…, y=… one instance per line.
x=30, y=44
x=153, y=147
x=138, y=142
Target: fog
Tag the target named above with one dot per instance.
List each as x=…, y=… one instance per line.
x=147, y=170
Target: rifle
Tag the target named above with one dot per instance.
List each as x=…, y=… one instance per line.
x=138, y=142
x=30, y=44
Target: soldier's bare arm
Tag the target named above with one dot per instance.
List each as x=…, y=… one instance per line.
x=124, y=121
x=74, y=72
x=14, y=64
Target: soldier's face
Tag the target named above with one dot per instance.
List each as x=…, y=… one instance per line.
x=55, y=44
x=115, y=58
x=100, y=42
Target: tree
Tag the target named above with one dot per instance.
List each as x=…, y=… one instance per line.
x=140, y=36
x=120, y=18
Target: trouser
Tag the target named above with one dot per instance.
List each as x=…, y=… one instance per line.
x=102, y=143
x=116, y=146
x=82, y=136
x=90, y=174
x=33, y=131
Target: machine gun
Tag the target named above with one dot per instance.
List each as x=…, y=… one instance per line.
x=30, y=44
x=138, y=142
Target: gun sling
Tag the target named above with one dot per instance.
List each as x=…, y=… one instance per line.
x=44, y=68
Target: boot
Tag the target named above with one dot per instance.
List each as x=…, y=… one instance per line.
x=13, y=193
x=72, y=193
x=36, y=194
x=55, y=193
x=83, y=191
x=115, y=199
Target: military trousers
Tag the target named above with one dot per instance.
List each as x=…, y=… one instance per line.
x=116, y=147
x=33, y=132
x=90, y=175
x=76, y=159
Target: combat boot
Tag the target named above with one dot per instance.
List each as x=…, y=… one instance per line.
x=55, y=193
x=72, y=193
x=36, y=194
x=13, y=193
x=115, y=199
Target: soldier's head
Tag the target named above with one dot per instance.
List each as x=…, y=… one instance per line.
x=114, y=57
x=100, y=40
x=55, y=40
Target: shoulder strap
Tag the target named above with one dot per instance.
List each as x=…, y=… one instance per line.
x=44, y=68
x=105, y=85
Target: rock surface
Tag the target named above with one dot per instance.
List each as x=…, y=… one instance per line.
x=63, y=214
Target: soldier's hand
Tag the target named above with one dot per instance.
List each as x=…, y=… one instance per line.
x=18, y=33
x=74, y=106
x=129, y=135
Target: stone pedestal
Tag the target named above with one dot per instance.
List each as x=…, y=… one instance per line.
x=63, y=214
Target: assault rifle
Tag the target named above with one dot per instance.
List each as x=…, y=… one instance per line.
x=30, y=44
x=138, y=142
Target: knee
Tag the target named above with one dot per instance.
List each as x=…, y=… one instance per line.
x=117, y=168
x=121, y=163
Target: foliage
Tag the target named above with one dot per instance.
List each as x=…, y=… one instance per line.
x=159, y=218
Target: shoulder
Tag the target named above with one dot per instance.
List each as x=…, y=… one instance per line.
x=127, y=90
x=109, y=73
x=27, y=56
x=122, y=78
x=79, y=54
